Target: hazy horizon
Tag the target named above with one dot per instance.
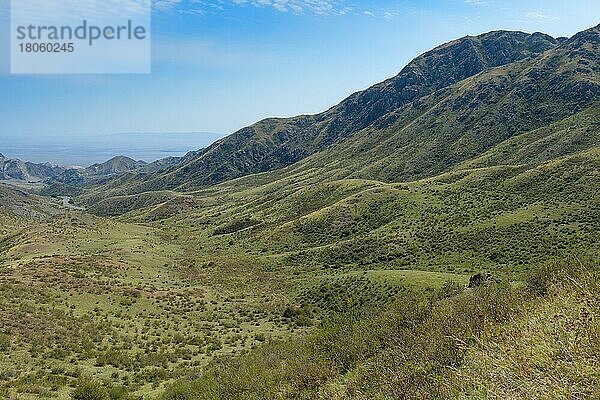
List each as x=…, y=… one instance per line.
x=84, y=151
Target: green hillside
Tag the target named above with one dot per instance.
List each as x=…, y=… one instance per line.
x=275, y=143
x=462, y=108
x=537, y=342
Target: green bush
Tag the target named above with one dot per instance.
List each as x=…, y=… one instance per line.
x=4, y=342
x=88, y=389
x=199, y=389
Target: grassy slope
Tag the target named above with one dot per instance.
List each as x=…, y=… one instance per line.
x=550, y=351
x=501, y=218
x=137, y=305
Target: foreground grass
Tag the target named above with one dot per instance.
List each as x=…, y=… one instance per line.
x=552, y=351
x=85, y=297
x=541, y=340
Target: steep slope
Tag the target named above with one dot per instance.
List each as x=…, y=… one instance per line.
x=277, y=142
x=463, y=121
x=440, y=131
x=570, y=135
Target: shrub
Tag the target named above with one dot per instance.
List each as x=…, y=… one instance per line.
x=573, y=270
x=88, y=389
x=199, y=389
x=4, y=342
x=450, y=289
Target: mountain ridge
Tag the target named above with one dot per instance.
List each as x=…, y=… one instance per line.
x=27, y=171
x=436, y=131
x=277, y=142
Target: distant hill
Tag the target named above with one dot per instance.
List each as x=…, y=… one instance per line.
x=97, y=173
x=27, y=171
x=115, y=165
x=17, y=170
x=165, y=163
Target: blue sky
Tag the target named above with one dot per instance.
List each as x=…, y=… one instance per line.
x=219, y=65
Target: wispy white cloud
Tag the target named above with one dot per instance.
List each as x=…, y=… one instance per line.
x=476, y=2
x=318, y=7
x=192, y=11
x=298, y=6
x=56, y=11
x=540, y=16
x=390, y=14
x=165, y=5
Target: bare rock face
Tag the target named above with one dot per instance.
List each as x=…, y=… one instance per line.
x=49, y=173
x=482, y=279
